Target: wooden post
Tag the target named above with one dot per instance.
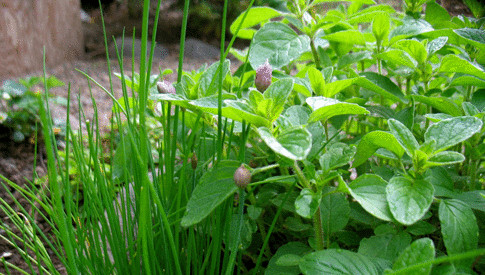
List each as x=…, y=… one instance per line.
x=26, y=26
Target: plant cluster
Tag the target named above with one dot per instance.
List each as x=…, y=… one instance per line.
x=350, y=142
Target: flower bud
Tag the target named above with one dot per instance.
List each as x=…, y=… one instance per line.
x=165, y=87
x=264, y=73
x=193, y=161
x=242, y=177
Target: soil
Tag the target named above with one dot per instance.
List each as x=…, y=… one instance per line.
x=17, y=159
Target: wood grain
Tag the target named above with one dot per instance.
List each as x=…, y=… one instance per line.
x=27, y=26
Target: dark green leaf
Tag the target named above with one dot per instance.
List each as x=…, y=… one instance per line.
x=337, y=262
x=404, y=136
x=384, y=246
x=335, y=212
x=214, y=187
x=373, y=141
x=410, y=27
x=294, y=143
x=441, y=180
x=292, y=248
x=445, y=158
x=443, y=104
x=255, y=16
x=381, y=85
x=474, y=199
x=420, y=251
x=307, y=203
x=278, y=43
x=421, y=228
x=458, y=227
x=475, y=37
x=453, y=64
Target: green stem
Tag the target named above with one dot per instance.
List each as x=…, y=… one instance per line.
x=317, y=227
x=316, y=58
x=235, y=244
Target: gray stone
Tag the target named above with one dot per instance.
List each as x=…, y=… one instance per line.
x=198, y=49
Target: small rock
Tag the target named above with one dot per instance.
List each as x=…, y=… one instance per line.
x=198, y=49
x=160, y=52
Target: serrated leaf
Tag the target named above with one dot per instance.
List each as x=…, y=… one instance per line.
x=441, y=180
x=382, y=85
x=278, y=43
x=293, y=143
x=334, y=212
x=420, y=251
x=370, y=192
x=380, y=26
x=404, y=136
x=443, y=104
x=458, y=227
x=453, y=64
x=306, y=204
x=452, y=131
x=409, y=200
x=337, y=261
x=291, y=248
x=214, y=187
x=474, y=199
x=255, y=16
x=372, y=141
x=326, y=108
x=384, y=246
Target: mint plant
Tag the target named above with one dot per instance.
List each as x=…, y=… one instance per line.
x=349, y=141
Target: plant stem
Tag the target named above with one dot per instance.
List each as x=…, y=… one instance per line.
x=316, y=58
x=317, y=227
x=235, y=244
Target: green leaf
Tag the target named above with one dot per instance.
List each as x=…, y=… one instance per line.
x=453, y=64
x=398, y=57
x=278, y=91
x=420, y=251
x=353, y=37
x=325, y=108
x=421, y=228
x=385, y=246
x=409, y=200
x=441, y=180
x=174, y=99
x=410, y=27
x=291, y=248
x=436, y=14
x=380, y=26
x=372, y=141
x=337, y=155
x=459, y=228
x=381, y=85
x=255, y=16
x=278, y=43
x=476, y=7
x=414, y=48
x=475, y=37
x=207, y=78
x=335, y=212
x=352, y=58
x=370, y=192
x=474, y=199
x=316, y=80
x=436, y=44
x=337, y=261
x=293, y=143
x=452, y=131
x=404, y=136
x=214, y=187
x=295, y=115
x=467, y=80
x=445, y=158
x=288, y=260
x=306, y=204
x=443, y=104
x=337, y=86
x=241, y=111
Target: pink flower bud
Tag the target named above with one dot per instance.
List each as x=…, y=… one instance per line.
x=264, y=73
x=165, y=87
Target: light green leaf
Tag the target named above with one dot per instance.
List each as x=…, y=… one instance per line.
x=441, y=180
x=420, y=251
x=335, y=212
x=385, y=246
x=352, y=58
x=458, y=227
x=373, y=141
x=214, y=187
x=410, y=27
x=404, y=136
x=452, y=131
x=306, y=204
x=436, y=44
x=316, y=80
x=443, y=104
x=475, y=37
x=295, y=115
x=255, y=16
x=453, y=64
x=445, y=158
x=293, y=143
x=381, y=85
x=278, y=43
x=409, y=200
x=398, y=57
x=353, y=37
x=467, y=80
x=174, y=99
x=337, y=155
x=436, y=14
x=370, y=192
x=325, y=108
x=278, y=92
x=207, y=78
x=380, y=26
x=241, y=111
x=337, y=262
x=337, y=86
x=414, y=48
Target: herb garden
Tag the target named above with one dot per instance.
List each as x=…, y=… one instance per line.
x=347, y=141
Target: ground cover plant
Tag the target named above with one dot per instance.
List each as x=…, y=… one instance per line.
x=347, y=142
